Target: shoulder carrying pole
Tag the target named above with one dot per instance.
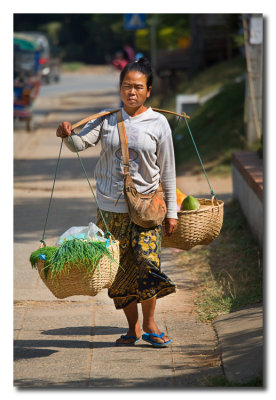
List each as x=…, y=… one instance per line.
x=94, y=116
x=103, y=113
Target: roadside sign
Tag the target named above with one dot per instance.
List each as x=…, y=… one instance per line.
x=256, y=29
x=135, y=21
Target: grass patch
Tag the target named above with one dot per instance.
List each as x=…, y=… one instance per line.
x=217, y=126
x=72, y=66
x=229, y=270
x=222, y=381
x=210, y=79
x=215, y=77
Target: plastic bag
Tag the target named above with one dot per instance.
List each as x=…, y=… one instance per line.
x=90, y=232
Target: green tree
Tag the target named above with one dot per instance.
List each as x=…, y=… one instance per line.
x=170, y=28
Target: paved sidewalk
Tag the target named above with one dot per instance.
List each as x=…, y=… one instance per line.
x=240, y=336
x=70, y=343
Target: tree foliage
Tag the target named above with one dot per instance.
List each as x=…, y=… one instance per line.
x=90, y=38
x=94, y=38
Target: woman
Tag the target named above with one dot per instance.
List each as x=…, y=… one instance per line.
x=151, y=156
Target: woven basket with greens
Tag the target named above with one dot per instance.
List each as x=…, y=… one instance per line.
x=77, y=267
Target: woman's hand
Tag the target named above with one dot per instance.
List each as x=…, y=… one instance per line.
x=170, y=225
x=64, y=129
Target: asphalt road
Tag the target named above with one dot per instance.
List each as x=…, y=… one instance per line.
x=82, y=82
x=98, y=79
x=74, y=97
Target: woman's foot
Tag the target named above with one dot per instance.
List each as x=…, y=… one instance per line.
x=150, y=338
x=129, y=339
x=149, y=325
x=134, y=331
x=153, y=328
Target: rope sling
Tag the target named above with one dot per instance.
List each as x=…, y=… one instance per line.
x=82, y=122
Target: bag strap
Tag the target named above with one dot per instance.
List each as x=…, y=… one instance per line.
x=123, y=139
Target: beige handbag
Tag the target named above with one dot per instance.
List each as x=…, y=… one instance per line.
x=146, y=210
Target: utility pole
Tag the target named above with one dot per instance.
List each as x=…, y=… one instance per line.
x=253, y=43
x=153, y=52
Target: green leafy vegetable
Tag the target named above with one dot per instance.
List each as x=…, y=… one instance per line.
x=76, y=252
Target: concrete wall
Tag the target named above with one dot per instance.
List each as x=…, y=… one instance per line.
x=251, y=205
x=247, y=174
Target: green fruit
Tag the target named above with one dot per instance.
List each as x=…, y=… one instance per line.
x=190, y=203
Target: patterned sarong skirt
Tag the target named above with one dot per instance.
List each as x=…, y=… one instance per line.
x=140, y=250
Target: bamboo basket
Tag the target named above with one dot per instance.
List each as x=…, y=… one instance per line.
x=78, y=281
x=197, y=227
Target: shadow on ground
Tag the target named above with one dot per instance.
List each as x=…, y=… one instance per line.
x=30, y=216
x=84, y=330
x=44, y=169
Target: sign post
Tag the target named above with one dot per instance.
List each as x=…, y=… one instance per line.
x=134, y=22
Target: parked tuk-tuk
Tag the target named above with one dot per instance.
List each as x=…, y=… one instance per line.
x=27, y=79
x=49, y=60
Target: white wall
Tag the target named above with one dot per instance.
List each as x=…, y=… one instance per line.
x=251, y=205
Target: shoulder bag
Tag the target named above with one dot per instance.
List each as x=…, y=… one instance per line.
x=146, y=210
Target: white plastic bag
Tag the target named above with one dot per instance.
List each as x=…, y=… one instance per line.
x=90, y=232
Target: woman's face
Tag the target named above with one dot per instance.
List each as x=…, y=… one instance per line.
x=134, y=91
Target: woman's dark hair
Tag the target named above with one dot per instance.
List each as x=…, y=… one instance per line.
x=142, y=65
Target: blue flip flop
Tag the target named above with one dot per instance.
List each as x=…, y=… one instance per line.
x=126, y=337
x=147, y=337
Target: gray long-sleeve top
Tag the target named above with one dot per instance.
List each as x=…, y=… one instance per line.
x=151, y=156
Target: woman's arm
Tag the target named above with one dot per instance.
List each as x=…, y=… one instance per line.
x=166, y=162
x=88, y=136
